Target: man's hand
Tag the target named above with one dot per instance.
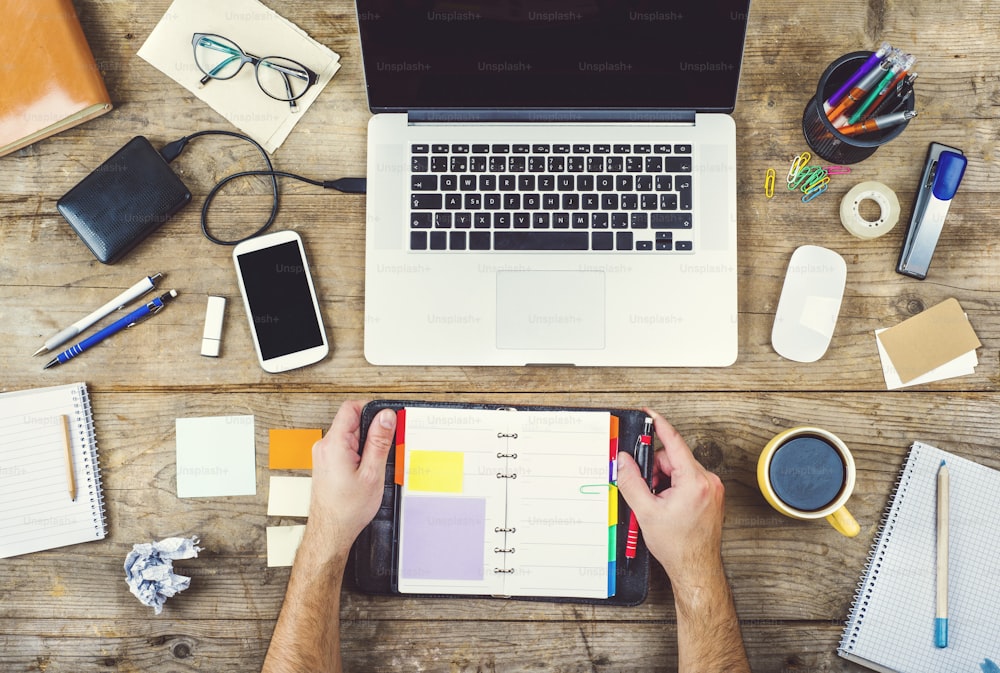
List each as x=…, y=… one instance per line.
x=347, y=486
x=682, y=525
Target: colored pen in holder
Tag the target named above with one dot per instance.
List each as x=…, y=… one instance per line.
x=886, y=96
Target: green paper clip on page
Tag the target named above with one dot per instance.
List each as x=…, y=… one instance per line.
x=524, y=501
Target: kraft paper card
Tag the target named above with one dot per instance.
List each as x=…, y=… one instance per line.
x=963, y=365
x=929, y=339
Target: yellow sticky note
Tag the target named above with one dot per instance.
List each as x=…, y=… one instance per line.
x=612, y=505
x=435, y=471
x=292, y=449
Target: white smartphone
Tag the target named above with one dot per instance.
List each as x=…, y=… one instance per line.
x=280, y=301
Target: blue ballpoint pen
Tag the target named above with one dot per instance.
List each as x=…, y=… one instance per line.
x=132, y=318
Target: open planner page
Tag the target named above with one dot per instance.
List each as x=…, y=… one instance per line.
x=504, y=502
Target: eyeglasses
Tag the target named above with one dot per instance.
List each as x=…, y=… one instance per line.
x=280, y=78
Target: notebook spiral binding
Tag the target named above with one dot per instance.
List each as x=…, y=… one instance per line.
x=502, y=435
x=859, y=606
x=81, y=401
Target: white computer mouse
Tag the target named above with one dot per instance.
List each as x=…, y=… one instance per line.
x=809, y=304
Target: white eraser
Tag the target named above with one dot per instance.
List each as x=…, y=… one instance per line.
x=211, y=339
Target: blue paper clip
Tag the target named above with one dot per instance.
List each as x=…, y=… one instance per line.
x=818, y=178
x=814, y=192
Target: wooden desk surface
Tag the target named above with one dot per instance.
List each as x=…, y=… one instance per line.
x=70, y=609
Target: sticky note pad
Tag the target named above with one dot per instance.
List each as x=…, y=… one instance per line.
x=289, y=496
x=282, y=543
x=929, y=339
x=443, y=538
x=216, y=456
x=435, y=471
x=292, y=449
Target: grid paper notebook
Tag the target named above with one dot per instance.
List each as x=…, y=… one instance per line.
x=36, y=511
x=891, y=626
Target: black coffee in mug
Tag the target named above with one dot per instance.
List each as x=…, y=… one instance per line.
x=807, y=473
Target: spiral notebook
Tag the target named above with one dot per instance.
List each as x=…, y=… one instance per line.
x=891, y=625
x=39, y=430
x=489, y=500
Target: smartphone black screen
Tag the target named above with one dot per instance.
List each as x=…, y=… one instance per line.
x=277, y=289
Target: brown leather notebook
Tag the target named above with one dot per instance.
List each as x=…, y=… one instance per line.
x=49, y=81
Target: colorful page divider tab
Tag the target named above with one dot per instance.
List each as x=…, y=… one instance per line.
x=400, y=446
x=291, y=449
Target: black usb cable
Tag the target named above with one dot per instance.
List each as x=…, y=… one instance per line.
x=172, y=150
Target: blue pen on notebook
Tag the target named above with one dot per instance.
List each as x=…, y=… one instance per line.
x=941, y=616
x=145, y=311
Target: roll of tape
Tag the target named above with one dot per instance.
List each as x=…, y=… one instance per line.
x=888, y=205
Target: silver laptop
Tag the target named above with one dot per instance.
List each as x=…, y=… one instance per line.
x=551, y=182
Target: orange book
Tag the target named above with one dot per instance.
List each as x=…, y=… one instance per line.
x=49, y=80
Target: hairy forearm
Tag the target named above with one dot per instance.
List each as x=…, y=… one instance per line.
x=306, y=637
x=708, y=632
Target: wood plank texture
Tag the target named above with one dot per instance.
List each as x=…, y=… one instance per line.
x=70, y=609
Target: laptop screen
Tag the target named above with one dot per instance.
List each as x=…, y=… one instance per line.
x=552, y=54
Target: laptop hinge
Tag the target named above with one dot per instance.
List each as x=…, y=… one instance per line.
x=559, y=116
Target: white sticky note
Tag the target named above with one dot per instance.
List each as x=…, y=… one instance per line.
x=289, y=496
x=282, y=543
x=216, y=456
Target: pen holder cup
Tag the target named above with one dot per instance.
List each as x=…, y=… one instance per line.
x=821, y=135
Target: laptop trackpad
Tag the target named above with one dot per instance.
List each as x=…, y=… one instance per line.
x=550, y=309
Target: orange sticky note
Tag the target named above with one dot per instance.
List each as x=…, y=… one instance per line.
x=292, y=449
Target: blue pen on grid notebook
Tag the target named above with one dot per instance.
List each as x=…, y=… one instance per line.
x=941, y=614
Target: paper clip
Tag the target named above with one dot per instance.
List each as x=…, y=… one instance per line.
x=805, y=176
x=769, y=183
x=798, y=163
x=818, y=178
x=814, y=192
x=837, y=170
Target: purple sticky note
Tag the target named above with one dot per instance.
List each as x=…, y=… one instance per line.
x=443, y=538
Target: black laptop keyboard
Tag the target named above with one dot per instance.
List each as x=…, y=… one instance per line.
x=552, y=197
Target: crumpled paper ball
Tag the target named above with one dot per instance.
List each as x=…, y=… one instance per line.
x=149, y=569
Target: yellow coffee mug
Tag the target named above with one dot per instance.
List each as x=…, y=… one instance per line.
x=804, y=474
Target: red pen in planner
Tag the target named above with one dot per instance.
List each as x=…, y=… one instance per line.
x=643, y=445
